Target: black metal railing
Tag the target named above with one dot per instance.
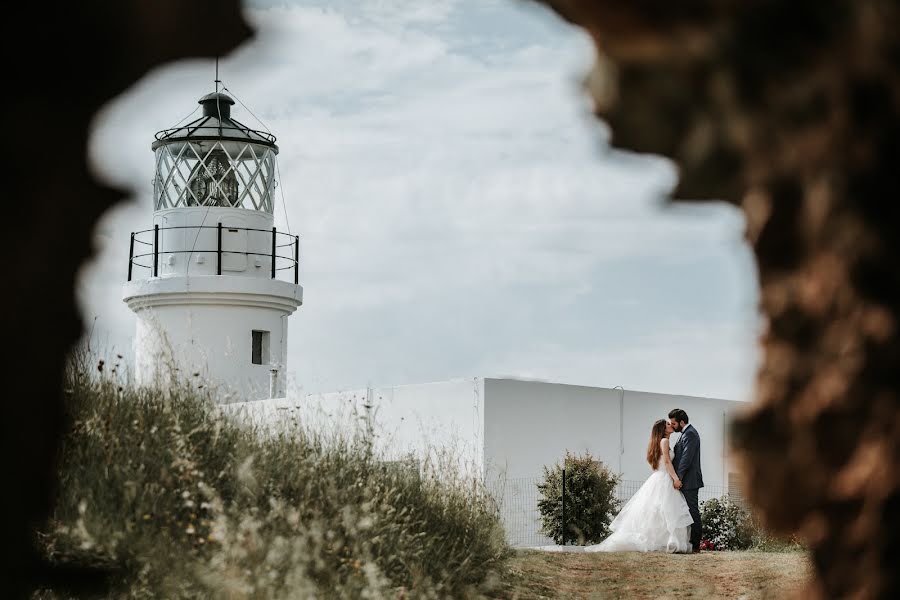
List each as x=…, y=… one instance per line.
x=189, y=131
x=278, y=262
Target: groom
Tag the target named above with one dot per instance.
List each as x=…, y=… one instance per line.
x=687, y=467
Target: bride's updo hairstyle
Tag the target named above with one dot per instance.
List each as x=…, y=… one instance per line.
x=657, y=433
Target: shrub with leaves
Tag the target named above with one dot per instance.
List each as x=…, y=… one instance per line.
x=182, y=502
x=726, y=525
x=590, y=500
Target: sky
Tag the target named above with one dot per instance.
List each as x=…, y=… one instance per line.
x=461, y=214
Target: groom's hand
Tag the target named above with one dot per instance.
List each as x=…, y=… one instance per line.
x=677, y=484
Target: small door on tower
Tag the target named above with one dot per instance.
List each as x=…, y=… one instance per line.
x=234, y=244
x=171, y=246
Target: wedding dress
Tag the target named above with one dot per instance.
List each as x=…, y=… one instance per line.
x=655, y=519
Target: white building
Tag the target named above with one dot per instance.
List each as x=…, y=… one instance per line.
x=213, y=282
x=505, y=431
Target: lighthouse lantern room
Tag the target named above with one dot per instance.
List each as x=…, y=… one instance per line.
x=213, y=282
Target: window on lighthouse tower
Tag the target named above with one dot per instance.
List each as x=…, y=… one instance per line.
x=259, y=353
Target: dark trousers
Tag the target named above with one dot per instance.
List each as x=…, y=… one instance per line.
x=696, y=528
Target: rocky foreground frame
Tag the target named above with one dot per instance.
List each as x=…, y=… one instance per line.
x=789, y=110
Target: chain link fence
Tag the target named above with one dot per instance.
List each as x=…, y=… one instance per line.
x=518, y=498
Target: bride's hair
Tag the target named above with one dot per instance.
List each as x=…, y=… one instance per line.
x=657, y=433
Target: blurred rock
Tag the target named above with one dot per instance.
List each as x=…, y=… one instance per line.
x=790, y=110
x=62, y=63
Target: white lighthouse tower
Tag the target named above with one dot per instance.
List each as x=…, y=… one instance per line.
x=213, y=282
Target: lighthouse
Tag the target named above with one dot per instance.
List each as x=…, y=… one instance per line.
x=212, y=282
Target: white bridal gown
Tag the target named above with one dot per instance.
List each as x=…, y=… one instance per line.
x=655, y=519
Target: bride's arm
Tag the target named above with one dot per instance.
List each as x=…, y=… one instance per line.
x=664, y=444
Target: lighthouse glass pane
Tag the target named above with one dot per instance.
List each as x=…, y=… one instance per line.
x=214, y=173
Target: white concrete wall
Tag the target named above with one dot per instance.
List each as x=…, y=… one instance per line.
x=441, y=421
x=531, y=424
x=425, y=419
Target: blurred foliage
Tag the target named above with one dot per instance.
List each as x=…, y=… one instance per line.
x=181, y=501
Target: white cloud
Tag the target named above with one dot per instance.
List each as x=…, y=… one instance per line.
x=459, y=212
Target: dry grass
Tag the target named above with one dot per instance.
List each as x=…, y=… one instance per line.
x=180, y=502
x=745, y=575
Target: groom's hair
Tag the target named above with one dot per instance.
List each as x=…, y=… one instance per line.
x=679, y=415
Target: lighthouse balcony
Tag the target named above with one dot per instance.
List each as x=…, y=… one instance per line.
x=217, y=249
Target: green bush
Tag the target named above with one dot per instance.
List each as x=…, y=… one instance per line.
x=726, y=525
x=182, y=502
x=590, y=500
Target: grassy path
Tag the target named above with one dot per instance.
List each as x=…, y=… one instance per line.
x=744, y=575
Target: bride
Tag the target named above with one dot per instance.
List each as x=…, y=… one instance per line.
x=656, y=518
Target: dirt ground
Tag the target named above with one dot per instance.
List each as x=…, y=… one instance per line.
x=745, y=575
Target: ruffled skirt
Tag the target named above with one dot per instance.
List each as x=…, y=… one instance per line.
x=655, y=519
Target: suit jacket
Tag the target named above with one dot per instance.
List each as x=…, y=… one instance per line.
x=687, y=459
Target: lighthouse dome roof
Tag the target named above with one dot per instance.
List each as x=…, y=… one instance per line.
x=214, y=97
x=216, y=123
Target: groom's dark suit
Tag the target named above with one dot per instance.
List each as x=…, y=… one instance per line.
x=687, y=467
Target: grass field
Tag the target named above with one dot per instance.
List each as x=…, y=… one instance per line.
x=178, y=501
x=746, y=575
